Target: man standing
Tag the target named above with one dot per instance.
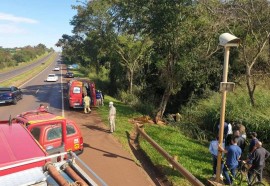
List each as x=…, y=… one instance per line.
x=86, y=101
x=213, y=149
x=232, y=159
x=241, y=141
x=99, y=98
x=258, y=158
x=111, y=118
x=253, y=142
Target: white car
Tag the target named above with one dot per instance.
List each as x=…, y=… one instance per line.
x=52, y=77
x=56, y=68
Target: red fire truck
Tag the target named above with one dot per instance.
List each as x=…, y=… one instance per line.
x=77, y=89
x=54, y=133
x=24, y=162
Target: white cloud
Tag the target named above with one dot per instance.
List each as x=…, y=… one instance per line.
x=16, y=19
x=11, y=29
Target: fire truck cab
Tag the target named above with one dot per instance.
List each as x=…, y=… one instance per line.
x=54, y=133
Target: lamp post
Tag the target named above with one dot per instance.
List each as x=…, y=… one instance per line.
x=226, y=40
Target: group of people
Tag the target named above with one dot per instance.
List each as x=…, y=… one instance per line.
x=174, y=117
x=87, y=100
x=99, y=98
x=233, y=147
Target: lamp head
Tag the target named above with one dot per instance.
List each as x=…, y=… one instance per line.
x=229, y=40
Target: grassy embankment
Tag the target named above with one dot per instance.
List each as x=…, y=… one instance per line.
x=192, y=154
x=20, y=79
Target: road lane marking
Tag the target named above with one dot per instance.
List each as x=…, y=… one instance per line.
x=62, y=90
x=37, y=91
x=35, y=76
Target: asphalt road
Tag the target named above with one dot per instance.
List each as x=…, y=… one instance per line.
x=6, y=75
x=102, y=153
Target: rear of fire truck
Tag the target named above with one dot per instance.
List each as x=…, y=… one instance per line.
x=24, y=162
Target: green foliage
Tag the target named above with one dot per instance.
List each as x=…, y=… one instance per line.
x=128, y=98
x=6, y=59
x=206, y=112
x=146, y=108
x=14, y=56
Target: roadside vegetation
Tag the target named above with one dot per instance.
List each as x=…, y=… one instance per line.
x=11, y=58
x=174, y=137
x=20, y=65
x=20, y=79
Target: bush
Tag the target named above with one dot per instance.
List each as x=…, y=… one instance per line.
x=127, y=98
x=145, y=108
x=206, y=113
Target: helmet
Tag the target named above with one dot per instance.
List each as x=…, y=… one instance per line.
x=110, y=103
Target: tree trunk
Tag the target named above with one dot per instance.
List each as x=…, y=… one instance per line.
x=130, y=80
x=268, y=50
x=163, y=104
x=250, y=85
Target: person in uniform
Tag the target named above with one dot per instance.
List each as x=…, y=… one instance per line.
x=111, y=117
x=86, y=101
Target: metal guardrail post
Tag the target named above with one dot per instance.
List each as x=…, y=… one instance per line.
x=192, y=179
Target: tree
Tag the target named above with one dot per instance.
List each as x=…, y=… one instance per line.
x=249, y=19
x=132, y=51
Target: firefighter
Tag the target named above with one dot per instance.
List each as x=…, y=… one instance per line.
x=111, y=118
x=86, y=101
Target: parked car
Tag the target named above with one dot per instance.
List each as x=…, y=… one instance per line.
x=73, y=66
x=54, y=133
x=10, y=95
x=69, y=75
x=56, y=68
x=52, y=77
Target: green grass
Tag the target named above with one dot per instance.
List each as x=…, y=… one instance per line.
x=124, y=113
x=20, y=79
x=192, y=154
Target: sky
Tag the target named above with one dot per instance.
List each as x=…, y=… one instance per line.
x=31, y=22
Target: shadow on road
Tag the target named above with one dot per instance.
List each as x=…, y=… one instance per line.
x=97, y=128
x=106, y=153
x=49, y=93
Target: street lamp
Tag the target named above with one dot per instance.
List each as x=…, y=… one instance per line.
x=226, y=40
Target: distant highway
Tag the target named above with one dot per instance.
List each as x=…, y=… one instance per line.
x=36, y=91
x=7, y=75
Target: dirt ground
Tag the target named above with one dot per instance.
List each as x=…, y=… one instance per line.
x=106, y=157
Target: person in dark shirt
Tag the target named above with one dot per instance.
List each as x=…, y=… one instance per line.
x=252, y=141
x=241, y=141
x=225, y=132
x=233, y=154
x=258, y=158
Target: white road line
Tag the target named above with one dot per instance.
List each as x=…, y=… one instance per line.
x=33, y=77
x=37, y=91
x=62, y=90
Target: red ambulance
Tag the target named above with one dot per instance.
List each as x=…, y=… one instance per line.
x=77, y=89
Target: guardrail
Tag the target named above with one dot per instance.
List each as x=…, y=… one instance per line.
x=191, y=178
